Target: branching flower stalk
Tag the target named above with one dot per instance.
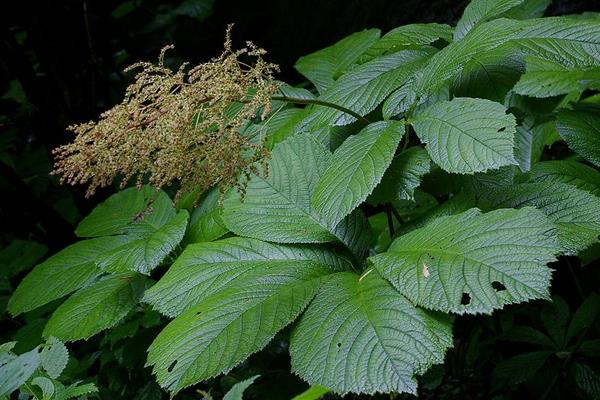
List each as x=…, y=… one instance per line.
x=180, y=126
x=176, y=126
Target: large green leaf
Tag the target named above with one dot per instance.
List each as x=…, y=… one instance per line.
x=412, y=36
x=546, y=78
x=204, y=269
x=403, y=176
x=360, y=335
x=473, y=262
x=150, y=220
x=364, y=88
x=581, y=130
x=240, y=318
x=480, y=11
x=323, y=67
x=277, y=207
x=466, y=135
x=130, y=211
x=356, y=168
x=63, y=273
x=448, y=62
x=575, y=211
x=143, y=254
x=566, y=171
x=96, y=307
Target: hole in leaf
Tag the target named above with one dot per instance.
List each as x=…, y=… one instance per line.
x=502, y=129
x=465, y=299
x=172, y=366
x=498, y=286
x=339, y=345
x=199, y=312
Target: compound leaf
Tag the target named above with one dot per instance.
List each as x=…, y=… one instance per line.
x=360, y=335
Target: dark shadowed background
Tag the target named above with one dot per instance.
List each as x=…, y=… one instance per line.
x=61, y=62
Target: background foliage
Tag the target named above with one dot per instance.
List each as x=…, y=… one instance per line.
x=61, y=63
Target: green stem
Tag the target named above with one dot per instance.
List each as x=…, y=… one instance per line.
x=321, y=103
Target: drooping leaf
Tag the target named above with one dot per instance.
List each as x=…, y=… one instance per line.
x=448, y=62
x=148, y=217
x=473, y=262
x=54, y=357
x=325, y=66
x=277, y=207
x=480, y=11
x=403, y=176
x=63, y=273
x=581, y=130
x=566, y=171
x=467, y=135
x=143, y=254
x=96, y=307
x=226, y=327
x=364, y=88
x=410, y=36
x=237, y=391
x=356, y=168
x=360, y=335
x=46, y=385
x=546, y=78
x=575, y=211
x=17, y=371
x=206, y=223
x=205, y=269
x=130, y=211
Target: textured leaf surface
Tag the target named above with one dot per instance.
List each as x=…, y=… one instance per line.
x=403, y=176
x=54, y=357
x=364, y=88
x=480, y=11
x=147, y=217
x=323, y=67
x=565, y=171
x=96, y=307
x=237, y=391
x=581, y=130
x=206, y=223
x=277, y=207
x=467, y=135
x=62, y=274
x=143, y=254
x=575, y=211
x=17, y=371
x=546, y=78
x=448, y=62
x=130, y=211
x=473, y=262
x=236, y=321
x=410, y=36
x=360, y=335
x=205, y=269
x=356, y=168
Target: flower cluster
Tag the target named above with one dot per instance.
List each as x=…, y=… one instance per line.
x=178, y=126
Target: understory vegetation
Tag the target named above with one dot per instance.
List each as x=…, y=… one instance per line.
x=420, y=217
